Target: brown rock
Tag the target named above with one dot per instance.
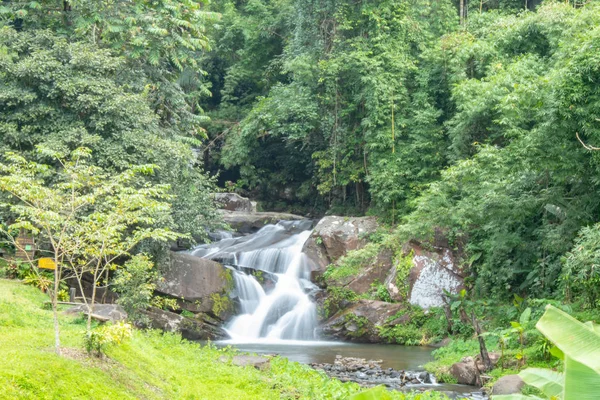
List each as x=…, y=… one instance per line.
x=466, y=372
x=377, y=271
x=494, y=358
x=509, y=384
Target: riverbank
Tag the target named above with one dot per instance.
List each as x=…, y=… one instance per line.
x=149, y=365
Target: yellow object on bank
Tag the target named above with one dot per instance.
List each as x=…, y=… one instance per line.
x=46, y=263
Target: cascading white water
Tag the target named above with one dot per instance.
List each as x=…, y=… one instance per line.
x=283, y=312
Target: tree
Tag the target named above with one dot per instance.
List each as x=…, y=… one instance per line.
x=65, y=94
x=85, y=218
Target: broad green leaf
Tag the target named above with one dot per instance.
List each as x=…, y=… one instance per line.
x=575, y=339
x=581, y=382
x=548, y=381
x=556, y=352
x=517, y=396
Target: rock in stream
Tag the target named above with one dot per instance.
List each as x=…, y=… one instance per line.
x=369, y=373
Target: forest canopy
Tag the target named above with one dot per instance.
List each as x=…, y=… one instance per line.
x=474, y=119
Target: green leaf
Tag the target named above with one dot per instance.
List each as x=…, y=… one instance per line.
x=581, y=382
x=525, y=316
x=575, y=339
x=515, y=397
x=548, y=381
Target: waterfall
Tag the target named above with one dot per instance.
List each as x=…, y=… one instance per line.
x=283, y=311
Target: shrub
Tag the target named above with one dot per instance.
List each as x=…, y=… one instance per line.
x=98, y=340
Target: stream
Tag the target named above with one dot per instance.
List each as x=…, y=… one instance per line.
x=277, y=314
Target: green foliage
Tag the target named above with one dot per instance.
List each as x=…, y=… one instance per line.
x=65, y=94
x=135, y=283
x=352, y=263
x=580, y=345
x=337, y=299
x=509, y=200
x=404, y=264
x=221, y=303
x=97, y=341
x=581, y=272
x=417, y=327
x=82, y=216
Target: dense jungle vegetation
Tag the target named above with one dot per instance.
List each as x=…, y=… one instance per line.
x=480, y=131
x=475, y=122
x=469, y=124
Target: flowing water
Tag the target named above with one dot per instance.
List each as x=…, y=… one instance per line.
x=284, y=310
x=276, y=312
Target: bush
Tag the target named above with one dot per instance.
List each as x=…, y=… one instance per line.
x=581, y=271
x=135, y=284
x=98, y=340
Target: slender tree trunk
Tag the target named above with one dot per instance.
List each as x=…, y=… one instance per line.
x=91, y=305
x=462, y=12
x=54, y=301
x=485, y=357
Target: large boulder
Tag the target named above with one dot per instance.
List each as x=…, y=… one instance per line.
x=359, y=322
x=375, y=271
x=466, y=372
x=509, y=384
x=338, y=235
x=433, y=272
x=250, y=222
x=234, y=202
x=195, y=281
x=200, y=327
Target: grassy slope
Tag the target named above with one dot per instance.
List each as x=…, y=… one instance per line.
x=150, y=365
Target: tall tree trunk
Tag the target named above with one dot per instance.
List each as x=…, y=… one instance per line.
x=485, y=357
x=462, y=12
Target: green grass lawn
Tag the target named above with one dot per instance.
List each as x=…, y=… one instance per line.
x=150, y=365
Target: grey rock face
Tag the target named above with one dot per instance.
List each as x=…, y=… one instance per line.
x=194, y=280
x=197, y=328
x=357, y=323
x=432, y=273
x=234, y=202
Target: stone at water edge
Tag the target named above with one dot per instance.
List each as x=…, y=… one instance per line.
x=366, y=313
x=190, y=328
x=466, y=372
x=251, y=222
x=509, y=384
x=258, y=362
